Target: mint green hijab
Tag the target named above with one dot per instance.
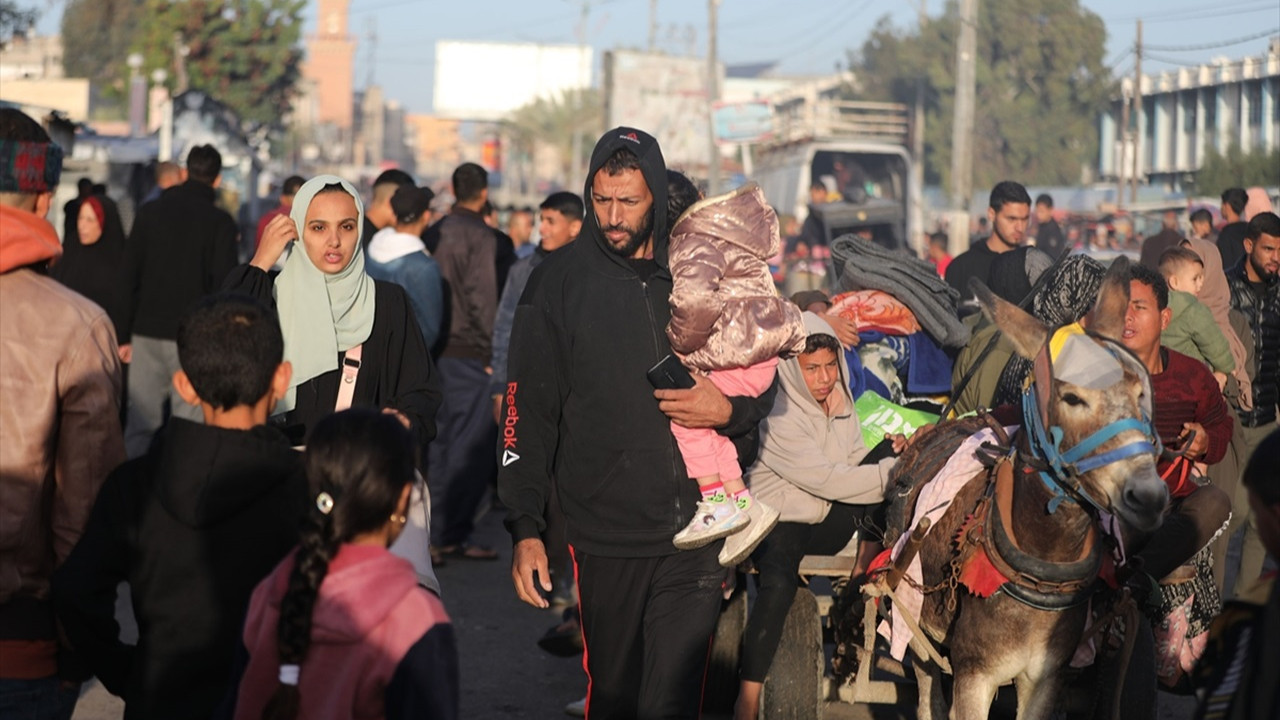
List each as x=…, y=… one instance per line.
x=321, y=315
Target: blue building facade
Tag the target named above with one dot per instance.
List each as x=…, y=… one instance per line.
x=1183, y=113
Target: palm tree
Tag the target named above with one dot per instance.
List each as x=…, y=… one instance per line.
x=555, y=124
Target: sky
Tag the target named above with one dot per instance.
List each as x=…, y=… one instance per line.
x=802, y=36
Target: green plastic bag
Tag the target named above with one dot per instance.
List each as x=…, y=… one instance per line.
x=878, y=416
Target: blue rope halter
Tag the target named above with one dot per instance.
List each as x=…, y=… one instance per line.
x=1062, y=467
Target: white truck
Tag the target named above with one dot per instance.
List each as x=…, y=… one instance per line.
x=858, y=152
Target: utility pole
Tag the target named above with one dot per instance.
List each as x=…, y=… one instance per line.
x=916, y=220
x=962, y=125
x=1137, y=119
x=653, y=25
x=962, y=129
x=1122, y=162
x=580, y=93
x=713, y=93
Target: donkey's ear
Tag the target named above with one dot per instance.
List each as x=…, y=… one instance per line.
x=1113, y=301
x=1027, y=334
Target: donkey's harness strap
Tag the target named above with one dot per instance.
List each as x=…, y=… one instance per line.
x=1042, y=584
x=1059, y=470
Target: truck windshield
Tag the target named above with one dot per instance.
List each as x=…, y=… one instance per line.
x=857, y=177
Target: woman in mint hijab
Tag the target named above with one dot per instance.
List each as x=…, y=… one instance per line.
x=328, y=305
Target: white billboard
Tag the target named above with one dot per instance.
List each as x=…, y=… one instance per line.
x=664, y=96
x=486, y=81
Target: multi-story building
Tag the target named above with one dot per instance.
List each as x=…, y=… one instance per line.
x=1184, y=113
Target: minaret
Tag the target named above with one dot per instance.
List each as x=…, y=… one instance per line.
x=330, y=65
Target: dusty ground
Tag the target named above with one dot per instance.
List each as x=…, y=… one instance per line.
x=504, y=674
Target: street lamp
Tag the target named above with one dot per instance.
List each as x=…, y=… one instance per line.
x=137, y=95
x=163, y=104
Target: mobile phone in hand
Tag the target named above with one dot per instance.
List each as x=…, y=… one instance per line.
x=670, y=374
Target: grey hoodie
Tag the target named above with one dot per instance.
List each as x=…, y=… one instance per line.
x=807, y=459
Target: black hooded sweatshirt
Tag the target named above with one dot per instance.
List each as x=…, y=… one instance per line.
x=192, y=526
x=578, y=405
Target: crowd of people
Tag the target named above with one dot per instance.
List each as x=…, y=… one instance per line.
x=305, y=436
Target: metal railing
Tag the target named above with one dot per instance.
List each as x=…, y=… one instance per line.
x=884, y=122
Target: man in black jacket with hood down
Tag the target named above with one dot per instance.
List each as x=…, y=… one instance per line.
x=591, y=322
x=193, y=525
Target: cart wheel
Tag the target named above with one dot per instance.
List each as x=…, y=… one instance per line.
x=793, y=688
x=721, y=689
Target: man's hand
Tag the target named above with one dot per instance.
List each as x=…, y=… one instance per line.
x=1199, y=444
x=846, y=330
x=497, y=410
x=529, y=557
x=701, y=406
x=125, y=352
x=276, y=236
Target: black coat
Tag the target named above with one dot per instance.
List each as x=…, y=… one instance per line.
x=395, y=368
x=192, y=526
x=94, y=270
x=578, y=405
x=180, y=249
x=1261, y=307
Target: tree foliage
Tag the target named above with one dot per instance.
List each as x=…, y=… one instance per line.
x=97, y=36
x=553, y=123
x=14, y=20
x=1041, y=83
x=244, y=53
x=1236, y=168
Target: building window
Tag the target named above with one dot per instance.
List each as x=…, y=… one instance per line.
x=1189, y=111
x=1254, y=91
x=1210, y=98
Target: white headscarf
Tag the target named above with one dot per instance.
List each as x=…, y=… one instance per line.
x=321, y=315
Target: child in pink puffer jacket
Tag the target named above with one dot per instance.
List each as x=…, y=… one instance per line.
x=728, y=322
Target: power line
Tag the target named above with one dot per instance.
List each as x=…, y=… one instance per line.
x=816, y=46
x=1121, y=57
x=831, y=26
x=1172, y=61
x=1211, y=46
x=1197, y=9
x=1215, y=13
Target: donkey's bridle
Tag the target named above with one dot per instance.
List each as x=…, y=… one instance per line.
x=1060, y=470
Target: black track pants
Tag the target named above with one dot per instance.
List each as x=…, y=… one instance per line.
x=647, y=626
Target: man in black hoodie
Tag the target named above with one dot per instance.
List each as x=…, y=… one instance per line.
x=590, y=324
x=193, y=525
x=180, y=249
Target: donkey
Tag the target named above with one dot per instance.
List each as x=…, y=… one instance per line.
x=1083, y=463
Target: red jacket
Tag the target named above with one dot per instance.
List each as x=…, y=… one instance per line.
x=381, y=646
x=1187, y=392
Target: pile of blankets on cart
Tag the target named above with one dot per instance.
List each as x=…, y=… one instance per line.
x=906, y=319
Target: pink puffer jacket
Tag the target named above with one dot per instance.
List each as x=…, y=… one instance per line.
x=725, y=310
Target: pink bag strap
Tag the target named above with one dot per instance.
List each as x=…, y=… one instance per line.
x=347, y=388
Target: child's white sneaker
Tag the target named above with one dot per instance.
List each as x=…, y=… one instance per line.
x=740, y=546
x=712, y=520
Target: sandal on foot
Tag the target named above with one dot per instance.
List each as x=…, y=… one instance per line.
x=468, y=552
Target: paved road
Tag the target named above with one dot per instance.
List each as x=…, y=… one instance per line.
x=504, y=674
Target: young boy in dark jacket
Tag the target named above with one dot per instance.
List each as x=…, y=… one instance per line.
x=193, y=525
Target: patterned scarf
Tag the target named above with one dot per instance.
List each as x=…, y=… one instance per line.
x=1066, y=296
